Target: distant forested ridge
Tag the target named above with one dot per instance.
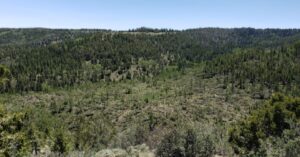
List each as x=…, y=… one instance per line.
x=37, y=59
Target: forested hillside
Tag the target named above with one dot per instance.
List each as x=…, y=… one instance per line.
x=277, y=69
x=150, y=92
x=40, y=36
x=39, y=58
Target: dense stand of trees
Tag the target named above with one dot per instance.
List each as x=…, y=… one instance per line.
x=272, y=68
x=68, y=57
x=40, y=36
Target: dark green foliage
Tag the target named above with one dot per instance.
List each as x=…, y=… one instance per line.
x=66, y=57
x=92, y=133
x=278, y=115
x=13, y=140
x=171, y=146
x=270, y=68
x=297, y=49
x=34, y=140
x=62, y=141
x=4, y=78
x=152, y=121
x=59, y=144
x=292, y=148
x=187, y=144
x=39, y=36
x=31, y=130
x=190, y=143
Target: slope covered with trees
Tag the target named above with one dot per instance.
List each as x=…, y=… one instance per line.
x=276, y=69
x=145, y=92
x=77, y=56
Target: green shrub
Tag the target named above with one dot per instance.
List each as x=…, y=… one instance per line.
x=187, y=144
x=4, y=78
x=93, y=133
x=292, y=148
x=171, y=145
x=13, y=140
x=276, y=116
x=62, y=142
x=205, y=146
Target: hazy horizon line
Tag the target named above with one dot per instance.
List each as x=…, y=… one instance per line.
x=155, y=28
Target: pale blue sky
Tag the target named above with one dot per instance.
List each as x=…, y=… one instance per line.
x=126, y=14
